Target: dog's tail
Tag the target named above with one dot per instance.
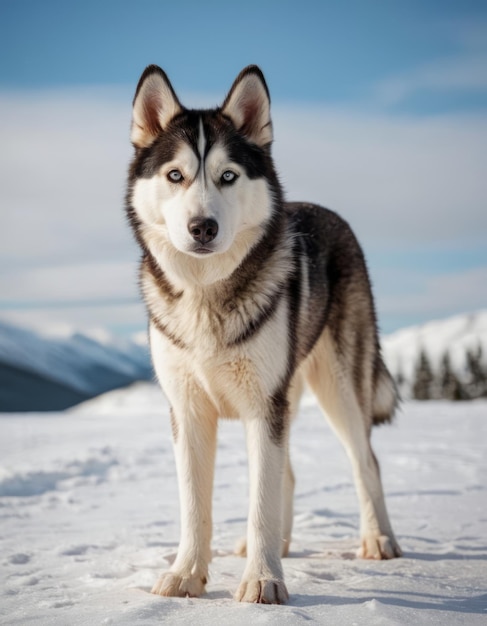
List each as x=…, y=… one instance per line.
x=386, y=396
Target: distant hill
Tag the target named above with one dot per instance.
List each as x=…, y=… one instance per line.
x=456, y=337
x=47, y=371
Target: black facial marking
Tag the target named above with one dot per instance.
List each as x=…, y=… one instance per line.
x=185, y=128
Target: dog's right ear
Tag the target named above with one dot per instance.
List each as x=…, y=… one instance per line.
x=155, y=104
x=248, y=106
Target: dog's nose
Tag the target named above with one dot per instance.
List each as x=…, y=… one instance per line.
x=203, y=230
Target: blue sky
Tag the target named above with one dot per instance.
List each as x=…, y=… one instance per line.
x=312, y=50
x=380, y=112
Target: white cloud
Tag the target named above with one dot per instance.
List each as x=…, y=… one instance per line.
x=62, y=174
x=397, y=180
x=121, y=318
x=80, y=282
x=437, y=295
x=63, y=161
x=463, y=71
x=85, y=295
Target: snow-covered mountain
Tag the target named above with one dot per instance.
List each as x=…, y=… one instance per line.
x=455, y=335
x=57, y=368
x=52, y=369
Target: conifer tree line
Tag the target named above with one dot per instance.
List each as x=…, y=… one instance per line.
x=445, y=384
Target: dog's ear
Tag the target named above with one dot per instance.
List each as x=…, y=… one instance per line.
x=248, y=106
x=155, y=104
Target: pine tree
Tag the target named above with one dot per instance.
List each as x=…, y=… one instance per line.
x=477, y=373
x=399, y=378
x=449, y=385
x=423, y=378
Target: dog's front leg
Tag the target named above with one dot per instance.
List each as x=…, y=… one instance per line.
x=263, y=580
x=194, y=438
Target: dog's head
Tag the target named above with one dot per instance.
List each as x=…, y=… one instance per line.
x=202, y=179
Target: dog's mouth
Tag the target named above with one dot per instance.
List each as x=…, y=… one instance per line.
x=202, y=250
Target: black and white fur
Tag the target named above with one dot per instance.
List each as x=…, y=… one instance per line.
x=249, y=299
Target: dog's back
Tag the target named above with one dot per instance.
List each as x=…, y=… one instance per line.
x=340, y=299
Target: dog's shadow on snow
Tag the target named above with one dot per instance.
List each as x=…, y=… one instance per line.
x=406, y=598
x=450, y=556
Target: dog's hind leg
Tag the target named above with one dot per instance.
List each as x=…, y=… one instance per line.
x=335, y=392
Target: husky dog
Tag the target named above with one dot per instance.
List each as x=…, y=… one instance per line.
x=249, y=298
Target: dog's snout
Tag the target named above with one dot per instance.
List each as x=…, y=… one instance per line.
x=203, y=230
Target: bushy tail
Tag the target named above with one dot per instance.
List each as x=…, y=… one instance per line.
x=386, y=396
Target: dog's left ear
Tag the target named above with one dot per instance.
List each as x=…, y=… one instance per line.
x=248, y=106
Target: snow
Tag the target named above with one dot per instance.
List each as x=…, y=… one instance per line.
x=89, y=518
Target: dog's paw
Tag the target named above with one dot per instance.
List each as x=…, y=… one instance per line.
x=379, y=547
x=262, y=591
x=174, y=585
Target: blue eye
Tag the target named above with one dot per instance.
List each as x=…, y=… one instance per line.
x=175, y=176
x=228, y=177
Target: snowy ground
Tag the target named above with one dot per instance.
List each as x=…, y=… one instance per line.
x=89, y=517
